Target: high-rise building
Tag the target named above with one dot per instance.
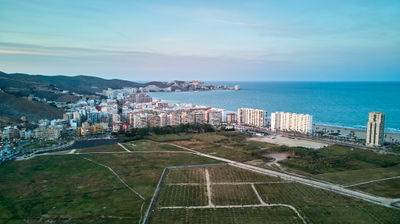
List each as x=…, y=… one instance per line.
x=163, y=119
x=275, y=121
x=375, y=129
x=252, y=117
x=154, y=121
x=231, y=118
x=141, y=121
x=143, y=98
x=281, y=121
x=214, y=117
x=175, y=118
x=198, y=118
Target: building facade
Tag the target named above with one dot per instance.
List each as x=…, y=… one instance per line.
x=251, y=117
x=281, y=121
x=375, y=129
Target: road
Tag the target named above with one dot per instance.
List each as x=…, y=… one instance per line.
x=387, y=202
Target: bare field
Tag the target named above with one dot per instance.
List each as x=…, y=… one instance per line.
x=280, y=140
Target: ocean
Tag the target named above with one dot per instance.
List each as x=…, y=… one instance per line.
x=344, y=104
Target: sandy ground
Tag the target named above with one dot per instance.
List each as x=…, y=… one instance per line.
x=279, y=140
x=277, y=156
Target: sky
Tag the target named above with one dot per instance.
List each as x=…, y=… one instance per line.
x=266, y=40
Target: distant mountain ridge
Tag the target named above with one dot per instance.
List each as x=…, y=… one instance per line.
x=79, y=84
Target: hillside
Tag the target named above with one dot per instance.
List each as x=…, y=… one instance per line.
x=12, y=108
x=78, y=84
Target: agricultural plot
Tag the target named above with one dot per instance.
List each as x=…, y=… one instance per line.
x=233, y=195
x=229, y=194
x=226, y=174
x=258, y=215
x=320, y=206
x=183, y=195
x=186, y=175
x=217, y=194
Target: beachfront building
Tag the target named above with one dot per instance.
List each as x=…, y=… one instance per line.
x=175, y=118
x=251, y=117
x=230, y=118
x=214, y=117
x=281, y=121
x=375, y=129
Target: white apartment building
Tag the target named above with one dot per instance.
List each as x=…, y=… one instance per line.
x=251, y=117
x=281, y=121
x=375, y=129
x=214, y=117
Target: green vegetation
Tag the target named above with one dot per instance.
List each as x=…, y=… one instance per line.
x=337, y=164
x=141, y=133
x=387, y=188
x=58, y=188
x=228, y=173
x=12, y=108
x=320, y=206
x=185, y=175
x=175, y=195
x=261, y=215
x=69, y=188
x=233, y=195
x=62, y=188
x=38, y=145
x=315, y=205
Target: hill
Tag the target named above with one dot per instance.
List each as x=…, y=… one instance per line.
x=78, y=84
x=12, y=108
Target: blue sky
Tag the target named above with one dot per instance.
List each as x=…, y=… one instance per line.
x=206, y=40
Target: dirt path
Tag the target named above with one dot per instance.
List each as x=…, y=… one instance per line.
x=372, y=181
x=208, y=188
x=122, y=146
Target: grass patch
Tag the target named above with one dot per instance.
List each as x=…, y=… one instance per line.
x=387, y=188
x=63, y=187
x=67, y=187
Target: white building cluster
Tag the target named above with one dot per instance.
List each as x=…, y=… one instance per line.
x=281, y=121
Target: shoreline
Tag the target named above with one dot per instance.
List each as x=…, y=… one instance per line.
x=391, y=131
x=390, y=137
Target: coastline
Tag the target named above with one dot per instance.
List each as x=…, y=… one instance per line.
x=390, y=137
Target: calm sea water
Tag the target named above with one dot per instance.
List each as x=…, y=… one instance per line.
x=345, y=104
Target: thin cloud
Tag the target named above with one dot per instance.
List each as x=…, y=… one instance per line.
x=254, y=25
x=3, y=51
